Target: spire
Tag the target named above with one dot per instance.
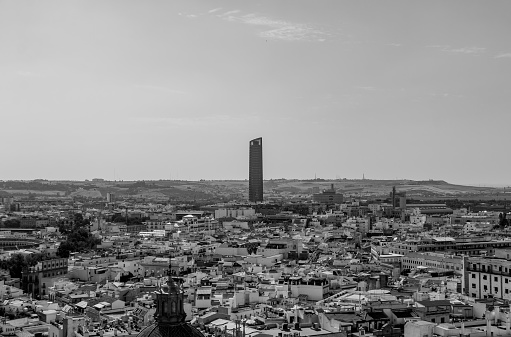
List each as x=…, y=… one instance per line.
x=174, y=287
x=170, y=302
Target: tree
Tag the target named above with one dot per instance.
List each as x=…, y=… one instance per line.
x=118, y=218
x=33, y=259
x=84, y=224
x=64, y=228
x=12, y=223
x=78, y=218
x=16, y=264
x=78, y=240
x=503, y=222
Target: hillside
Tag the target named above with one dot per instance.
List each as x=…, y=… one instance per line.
x=226, y=190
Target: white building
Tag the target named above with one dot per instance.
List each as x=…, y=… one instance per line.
x=234, y=212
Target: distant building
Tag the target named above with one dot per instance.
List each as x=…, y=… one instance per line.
x=488, y=277
x=468, y=246
x=255, y=171
x=110, y=197
x=133, y=229
x=398, y=198
x=36, y=280
x=439, y=261
x=29, y=222
x=234, y=212
x=328, y=197
x=179, y=215
x=8, y=202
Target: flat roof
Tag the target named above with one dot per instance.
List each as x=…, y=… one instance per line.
x=444, y=239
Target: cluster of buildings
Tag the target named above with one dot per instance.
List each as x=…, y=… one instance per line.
x=329, y=266
x=354, y=269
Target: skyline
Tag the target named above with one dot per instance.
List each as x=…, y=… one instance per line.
x=176, y=90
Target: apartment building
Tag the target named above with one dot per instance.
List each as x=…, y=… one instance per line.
x=467, y=245
x=234, y=212
x=36, y=280
x=439, y=261
x=488, y=277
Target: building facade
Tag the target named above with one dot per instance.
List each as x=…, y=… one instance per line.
x=36, y=280
x=255, y=171
x=328, y=197
x=488, y=277
x=435, y=260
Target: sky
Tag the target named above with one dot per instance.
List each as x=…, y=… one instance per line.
x=133, y=90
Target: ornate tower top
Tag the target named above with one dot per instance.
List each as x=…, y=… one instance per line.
x=169, y=301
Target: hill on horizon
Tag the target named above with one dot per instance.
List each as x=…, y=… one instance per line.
x=238, y=189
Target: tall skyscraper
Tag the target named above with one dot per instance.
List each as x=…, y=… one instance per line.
x=255, y=170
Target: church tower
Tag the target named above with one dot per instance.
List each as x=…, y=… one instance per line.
x=170, y=314
x=169, y=302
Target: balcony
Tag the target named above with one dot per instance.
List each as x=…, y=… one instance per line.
x=490, y=271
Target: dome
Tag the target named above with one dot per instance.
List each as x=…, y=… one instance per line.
x=170, y=315
x=177, y=330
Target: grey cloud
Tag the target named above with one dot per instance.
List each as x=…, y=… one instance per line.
x=460, y=50
x=505, y=55
x=279, y=29
x=226, y=14
x=467, y=50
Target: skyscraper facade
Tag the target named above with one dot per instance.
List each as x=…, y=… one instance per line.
x=255, y=170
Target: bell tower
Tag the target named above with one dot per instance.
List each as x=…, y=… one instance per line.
x=170, y=302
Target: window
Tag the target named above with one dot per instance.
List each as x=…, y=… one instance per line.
x=495, y=278
x=442, y=320
x=485, y=288
x=473, y=285
x=473, y=275
x=485, y=277
x=496, y=289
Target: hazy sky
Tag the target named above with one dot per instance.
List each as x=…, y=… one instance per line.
x=176, y=89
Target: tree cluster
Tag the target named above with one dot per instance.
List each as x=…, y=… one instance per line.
x=79, y=222
x=11, y=223
x=503, y=221
x=78, y=240
x=18, y=262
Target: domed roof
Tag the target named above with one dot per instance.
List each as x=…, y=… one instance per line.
x=175, y=330
x=170, y=314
